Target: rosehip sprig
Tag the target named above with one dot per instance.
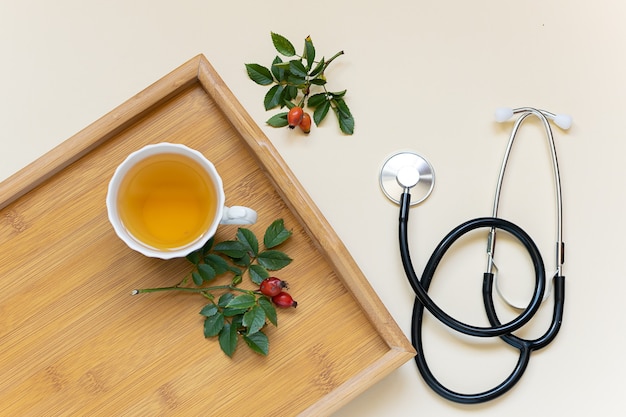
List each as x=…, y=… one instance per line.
x=293, y=83
x=235, y=313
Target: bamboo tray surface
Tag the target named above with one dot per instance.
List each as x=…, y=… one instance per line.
x=75, y=342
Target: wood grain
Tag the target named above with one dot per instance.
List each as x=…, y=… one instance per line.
x=75, y=342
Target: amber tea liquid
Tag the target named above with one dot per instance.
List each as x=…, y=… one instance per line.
x=167, y=201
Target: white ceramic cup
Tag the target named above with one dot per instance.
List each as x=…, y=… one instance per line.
x=223, y=215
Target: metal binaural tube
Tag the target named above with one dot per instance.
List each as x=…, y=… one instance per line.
x=543, y=116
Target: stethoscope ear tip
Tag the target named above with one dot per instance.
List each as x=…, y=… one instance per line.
x=564, y=121
x=503, y=114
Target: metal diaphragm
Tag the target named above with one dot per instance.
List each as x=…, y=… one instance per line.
x=407, y=165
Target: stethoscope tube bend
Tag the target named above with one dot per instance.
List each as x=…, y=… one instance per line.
x=421, y=289
x=423, y=301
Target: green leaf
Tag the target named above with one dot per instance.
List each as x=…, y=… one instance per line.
x=209, y=310
x=258, y=274
x=236, y=321
x=234, y=312
x=254, y=319
x=259, y=74
x=273, y=97
x=273, y=260
x=282, y=45
x=213, y=325
x=228, y=339
x=217, y=263
x=231, y=248
x=270, y=310
x=296, y=81
x=194, y=257
x=346, y=124
x=197, y=278
x=206, y=272
x=258, y=342
x=297, y=69
x=342, y=106
x=338, y=94
x=244, y=261
x=309, y=52
x=317, y=99
x=277, y=71
x=320, y=112
x=278, y=120
x=289, y=93
x=235, y=270
x=243, y=301
x=318, y=68
x=249, y=241
x=225, y=299
x=284, y=66
x=207, y=246
x=318, y=81
x=346, y=121
x=276, y=234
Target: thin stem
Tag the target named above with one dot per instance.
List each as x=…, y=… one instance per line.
x=187, y=289
x=338, y=54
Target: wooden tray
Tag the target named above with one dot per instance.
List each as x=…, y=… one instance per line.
x=75, y=342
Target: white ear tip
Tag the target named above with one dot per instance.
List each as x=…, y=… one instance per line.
x=503, y=114
x=563, y=121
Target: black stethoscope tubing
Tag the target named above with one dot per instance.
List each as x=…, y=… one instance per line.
x=429, y=270
x=423, y=301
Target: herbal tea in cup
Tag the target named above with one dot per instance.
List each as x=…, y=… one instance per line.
x=166, y=200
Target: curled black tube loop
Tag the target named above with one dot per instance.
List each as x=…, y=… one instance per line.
x=549, y=335
x=421, y=287
x=439, y=388
x=525, y=347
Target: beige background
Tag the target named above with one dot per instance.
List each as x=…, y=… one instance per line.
x=424, y=76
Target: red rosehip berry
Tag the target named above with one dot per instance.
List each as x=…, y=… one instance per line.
x=305, y=124
x=272, y=286
x=284, y=300
x=294, y=117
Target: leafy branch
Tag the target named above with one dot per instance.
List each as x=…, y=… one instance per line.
x=233, y=312
x=294, y=83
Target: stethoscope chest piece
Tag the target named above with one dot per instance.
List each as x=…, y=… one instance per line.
x=407, y=170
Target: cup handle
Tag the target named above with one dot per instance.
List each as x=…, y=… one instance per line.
x=238, y=215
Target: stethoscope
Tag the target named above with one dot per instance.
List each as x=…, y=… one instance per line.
x=407, y=173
